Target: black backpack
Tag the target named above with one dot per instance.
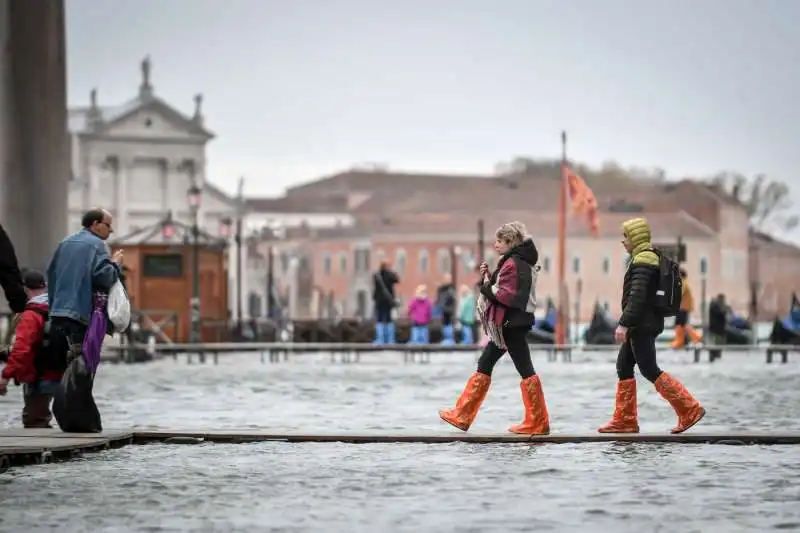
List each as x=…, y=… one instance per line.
x=669, y=289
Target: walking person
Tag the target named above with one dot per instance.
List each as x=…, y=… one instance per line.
x=32, y=362
x=10, y=275
x=506, y=308
x=638, y=328
x=80, y=275
x=683, y=328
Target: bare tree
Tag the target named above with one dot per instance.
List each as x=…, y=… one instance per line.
x=766, y=200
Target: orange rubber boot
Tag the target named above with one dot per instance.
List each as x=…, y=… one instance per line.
x=626, y=417
x=694, y=336
x=537, y=420
x=680, y=337
x=468, y=404
x=688, y=409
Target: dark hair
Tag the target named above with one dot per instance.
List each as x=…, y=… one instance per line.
x=91, y=217
x=683, y=273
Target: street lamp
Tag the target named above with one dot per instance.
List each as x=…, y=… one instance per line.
x=168, y=227
x=195, y=198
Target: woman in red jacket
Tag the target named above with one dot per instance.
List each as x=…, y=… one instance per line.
x=27, y=363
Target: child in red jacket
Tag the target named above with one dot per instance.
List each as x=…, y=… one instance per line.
x=39, y=382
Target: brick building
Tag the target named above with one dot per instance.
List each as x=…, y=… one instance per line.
x=423, y=224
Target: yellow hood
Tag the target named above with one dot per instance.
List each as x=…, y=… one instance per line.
x=637, y=230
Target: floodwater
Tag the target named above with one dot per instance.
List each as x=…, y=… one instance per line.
x=439, y=488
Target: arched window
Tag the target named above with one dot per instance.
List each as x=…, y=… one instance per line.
x=606, y=265
x=326, y=263
x=400, y=260
x=343, y=263
x=443, y=258
x=423, y=261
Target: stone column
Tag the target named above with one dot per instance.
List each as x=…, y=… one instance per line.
x=38, y=167
x=122, y=175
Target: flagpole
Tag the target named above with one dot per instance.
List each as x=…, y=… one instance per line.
x=562, y=245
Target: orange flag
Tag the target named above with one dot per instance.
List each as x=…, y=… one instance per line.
x=583, y=199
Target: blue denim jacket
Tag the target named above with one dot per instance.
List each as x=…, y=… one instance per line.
x=79, y=267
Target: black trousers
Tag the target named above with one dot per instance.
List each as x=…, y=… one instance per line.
x=383, y=313
x=639, y=349
x=517, y=348
x=682, y=318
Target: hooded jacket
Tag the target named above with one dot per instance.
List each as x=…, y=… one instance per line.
x=641, y=280
x=511, y=290
x=22, y=363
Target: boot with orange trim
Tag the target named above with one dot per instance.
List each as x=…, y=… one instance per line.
x=680, y=337
x=688, y=409
x=468, y=404
x=626, y=413
x=537, y=420
x=693, y=334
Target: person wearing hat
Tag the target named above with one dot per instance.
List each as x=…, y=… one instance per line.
x=29, y=361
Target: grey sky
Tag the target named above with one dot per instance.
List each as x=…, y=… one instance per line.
x=298, y=88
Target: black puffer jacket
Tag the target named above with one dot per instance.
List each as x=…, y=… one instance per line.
x=10, y=276
x=641, y=281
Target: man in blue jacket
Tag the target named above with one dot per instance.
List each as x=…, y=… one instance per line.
x=81, y=266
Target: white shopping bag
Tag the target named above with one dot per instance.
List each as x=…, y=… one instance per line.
x=119, y=307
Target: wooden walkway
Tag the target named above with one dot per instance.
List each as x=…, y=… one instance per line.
x=35, y=446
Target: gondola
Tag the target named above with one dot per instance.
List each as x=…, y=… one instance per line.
x=601, y=328
x=544, y=330
x=786, y=330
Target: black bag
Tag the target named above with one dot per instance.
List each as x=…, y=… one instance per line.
x=669, y=290
x=74, y=407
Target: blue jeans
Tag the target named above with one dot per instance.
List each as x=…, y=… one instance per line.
x=47, y=388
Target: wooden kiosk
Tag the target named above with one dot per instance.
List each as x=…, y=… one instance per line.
x=160, y=279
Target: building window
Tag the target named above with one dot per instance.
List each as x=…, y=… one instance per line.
x=400, y=261
x=443, y=256
x=423, y=261
x=703, y=266
x=361, y=260
x=576, y=265
x=467, y=260
x=343, y=263
x=162, y=265
x=380, y=257
x=606, y=265
x=326, y=263
x=546, y=264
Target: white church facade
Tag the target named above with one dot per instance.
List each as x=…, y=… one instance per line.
x=139, y=161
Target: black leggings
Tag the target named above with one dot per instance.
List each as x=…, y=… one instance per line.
x=639, y=349
x=517, y=348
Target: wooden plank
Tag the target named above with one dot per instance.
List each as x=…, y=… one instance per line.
x=337, y=347
x=442, y=437
x=113, y=434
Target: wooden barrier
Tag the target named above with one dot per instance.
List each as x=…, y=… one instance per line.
x=351, y=352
